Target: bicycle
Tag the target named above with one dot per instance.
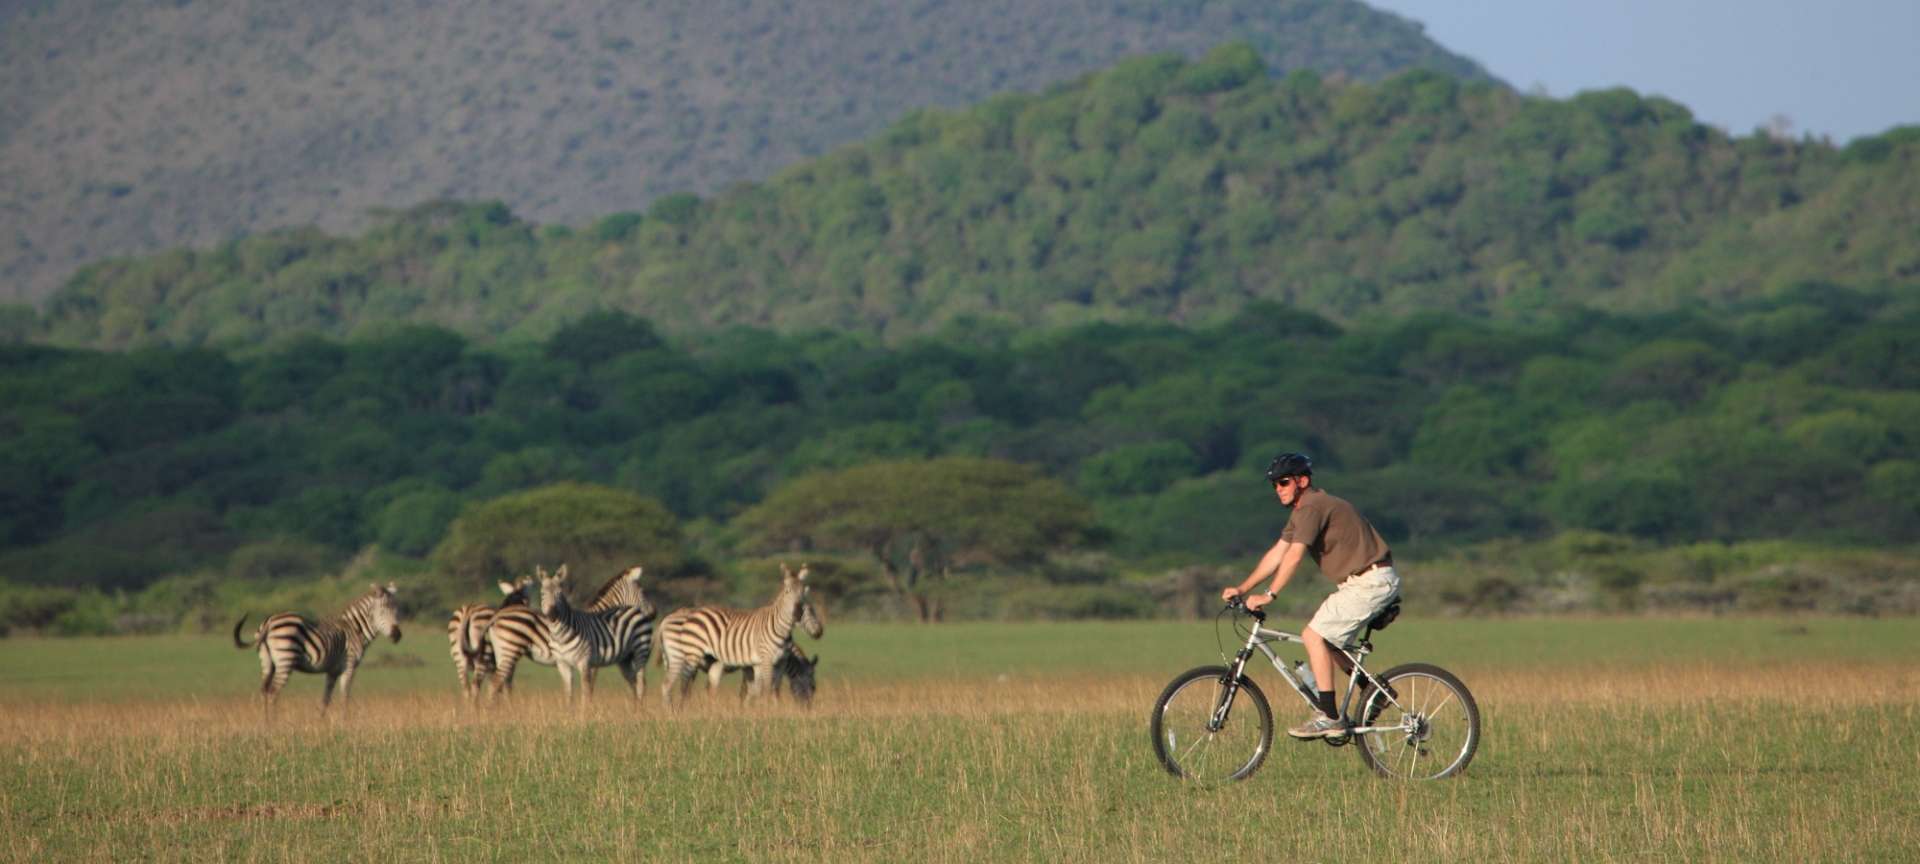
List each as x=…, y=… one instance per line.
x=1429, y=715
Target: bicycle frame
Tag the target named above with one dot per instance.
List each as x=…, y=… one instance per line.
x=1259, y=637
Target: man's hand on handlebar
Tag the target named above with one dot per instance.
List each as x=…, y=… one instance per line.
x=1249, y=602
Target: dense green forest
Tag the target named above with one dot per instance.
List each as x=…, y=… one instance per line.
x=1587, y=459
x=1160, y=189
x=133, y=127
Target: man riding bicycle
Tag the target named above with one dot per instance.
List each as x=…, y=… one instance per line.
x=1349, y=552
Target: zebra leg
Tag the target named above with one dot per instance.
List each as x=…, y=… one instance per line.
x=746, y=680
x=679, y=675
x=502, y=679
x=566, y=679
x=482, y=672
x=326, y=694
x=636, y=672
x=762, y=673
x=346, y=685
x=273, y=676
x=715, y=674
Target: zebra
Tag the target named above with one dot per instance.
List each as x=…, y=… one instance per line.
x=472, y=658
x=716, y=638
x=622, y=590
x=578, y=640
x=289, y=642
x=794, y=668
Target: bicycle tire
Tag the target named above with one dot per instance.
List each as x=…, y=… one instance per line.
x=1433, y=705
x=1185, y=746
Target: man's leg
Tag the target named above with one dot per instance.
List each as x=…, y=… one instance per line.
x=1325, y=722
x=1319, y=657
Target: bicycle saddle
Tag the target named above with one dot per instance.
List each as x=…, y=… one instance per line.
x=1386, y=616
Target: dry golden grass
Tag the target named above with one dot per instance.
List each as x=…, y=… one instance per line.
x=1773, y=762
x=1625, y=759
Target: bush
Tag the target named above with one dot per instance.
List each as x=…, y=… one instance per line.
x=1077, y=602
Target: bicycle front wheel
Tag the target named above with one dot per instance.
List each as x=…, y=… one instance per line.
x=1208, y=728
x=1428, y=725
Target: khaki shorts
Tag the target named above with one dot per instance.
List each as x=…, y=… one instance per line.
x=1354, y=603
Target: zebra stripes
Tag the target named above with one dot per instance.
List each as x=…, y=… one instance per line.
x=472, y=656
x=580, y=640
x=621, y=590
x=289, y=643
x=706, y=637
x=523, y=632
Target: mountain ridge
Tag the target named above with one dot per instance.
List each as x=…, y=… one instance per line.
x=1158, y=189
x=135, y=127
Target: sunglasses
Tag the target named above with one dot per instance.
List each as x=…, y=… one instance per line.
x=1286, y=479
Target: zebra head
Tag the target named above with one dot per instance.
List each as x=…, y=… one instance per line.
x=553, y=591
x=515, y=592
x=795, y=590
x=623, y=590
x=631, y=579
x=799, y=671
x=382, y=610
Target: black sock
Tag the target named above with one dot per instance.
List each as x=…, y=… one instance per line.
x=1326, y=704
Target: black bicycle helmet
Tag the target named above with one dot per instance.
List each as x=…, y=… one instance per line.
x=1289, y=465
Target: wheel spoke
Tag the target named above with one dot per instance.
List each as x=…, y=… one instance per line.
x=1188, y=743
x=1432, y=735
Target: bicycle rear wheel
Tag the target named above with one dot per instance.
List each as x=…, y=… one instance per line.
x=1208, y=729
x=1436, y=724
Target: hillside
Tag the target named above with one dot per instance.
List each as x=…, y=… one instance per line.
x=1157, y=190
x=128, y=127
x=1763, y=456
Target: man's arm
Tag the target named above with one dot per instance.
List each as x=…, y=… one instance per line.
x=1280, y=562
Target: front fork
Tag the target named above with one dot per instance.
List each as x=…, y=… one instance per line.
x=1232, y=689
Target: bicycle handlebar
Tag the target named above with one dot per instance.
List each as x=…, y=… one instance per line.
x=1238, y=603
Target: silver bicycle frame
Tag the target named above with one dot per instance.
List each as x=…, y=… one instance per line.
x=1259, y=637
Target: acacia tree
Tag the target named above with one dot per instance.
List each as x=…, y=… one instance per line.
x=920, y=520
x=593, y=528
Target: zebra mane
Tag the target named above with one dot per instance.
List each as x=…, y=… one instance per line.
x=608, y=588
x=364, y=602
x=358, y=616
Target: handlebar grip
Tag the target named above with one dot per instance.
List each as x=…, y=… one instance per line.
x=1239, y=602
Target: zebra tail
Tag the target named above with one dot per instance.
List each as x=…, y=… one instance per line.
x=474, y=650
x=236, y=634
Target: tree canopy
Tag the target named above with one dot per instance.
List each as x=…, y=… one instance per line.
x=592, y=529
x=921, y=520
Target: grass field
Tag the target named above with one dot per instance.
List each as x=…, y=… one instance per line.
x=1606, y=740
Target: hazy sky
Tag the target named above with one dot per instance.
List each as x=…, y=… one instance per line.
x=1838, y=68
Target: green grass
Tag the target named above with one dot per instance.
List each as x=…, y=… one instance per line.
x=1606, y=740
x=208, y=666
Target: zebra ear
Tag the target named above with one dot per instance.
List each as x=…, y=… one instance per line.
x=508, y=588
x=802, y=575
x=785, y=572
x=393, y=588
x=560, y=573
x=634, y=574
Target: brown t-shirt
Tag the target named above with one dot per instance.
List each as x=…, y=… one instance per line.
x=1340, y=540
